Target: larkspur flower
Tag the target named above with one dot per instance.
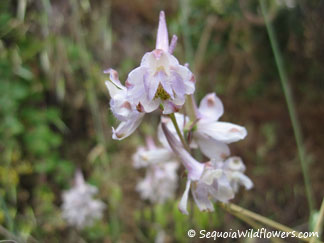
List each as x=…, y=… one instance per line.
x=211, y=181
x=209, y=134
x=122, y=108
x=79, y=208
x=160, y=79
x=161, y=177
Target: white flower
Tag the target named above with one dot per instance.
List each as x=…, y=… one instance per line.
x=161, y=177
x=122, y=108
x=211, y=135
x=160, y=79
x=210, y=182
x=219, y=182
x=79, y=208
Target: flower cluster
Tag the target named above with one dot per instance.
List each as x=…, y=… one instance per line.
x=79, y=208
x=161, y=82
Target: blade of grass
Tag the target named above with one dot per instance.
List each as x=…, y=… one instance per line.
x=290, y=104
x=319, y=224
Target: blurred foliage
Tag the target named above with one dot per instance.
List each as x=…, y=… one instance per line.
x=54, y=108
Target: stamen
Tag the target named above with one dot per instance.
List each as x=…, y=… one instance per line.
x=161, y=93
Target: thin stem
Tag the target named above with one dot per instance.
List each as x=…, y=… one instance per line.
x=235, y=209
x=318, y=226
x=175, y=124
x=247, y=220
x=291, y=108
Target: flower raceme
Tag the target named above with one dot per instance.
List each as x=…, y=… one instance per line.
x=159, y=81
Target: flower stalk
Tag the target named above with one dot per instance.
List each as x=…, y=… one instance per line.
x=175, y=124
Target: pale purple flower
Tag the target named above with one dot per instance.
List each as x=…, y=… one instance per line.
x=219, y=182
x=161, y=177
x=209, y=134
x=209, y=182
x=160, y=79
x=125, y=111
x=79, y=208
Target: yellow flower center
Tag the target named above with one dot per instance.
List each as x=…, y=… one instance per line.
x=161, y=93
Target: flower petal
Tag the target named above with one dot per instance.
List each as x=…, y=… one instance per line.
x=162, y=39
x=194, y=168
x=177, y=84
x=212, y=148
x=211, y=107
x=238, y=178
x=151, y=85
x=224, y=190
x=187, y=77
x=150, y=106
x=235, y=164
x=126, y=128
x=184, y=199
x=173, y=44
x=222, y=131
x=201, y=197
x=120, y=106
x=161, y=77
x=170, y=107
x=155, y=156
x=113, y=85
x=135, y=83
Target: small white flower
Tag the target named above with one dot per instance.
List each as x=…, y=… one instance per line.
x=122, y=108
x=79, y=208
x=161, y=177
x=210, y=182
x=209, y=134
x=160, y=79
x=219, y=182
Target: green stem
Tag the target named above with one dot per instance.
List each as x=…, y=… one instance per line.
x=319, y=224
x=291, y=107
x=235, y=209
x=175, y=124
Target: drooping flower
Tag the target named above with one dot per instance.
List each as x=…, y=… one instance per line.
x=125, y=111
x=219, y=182
x=161, y=177
x=211, y=135
x=209, y=182
x=160, y=79
x=79, y=208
